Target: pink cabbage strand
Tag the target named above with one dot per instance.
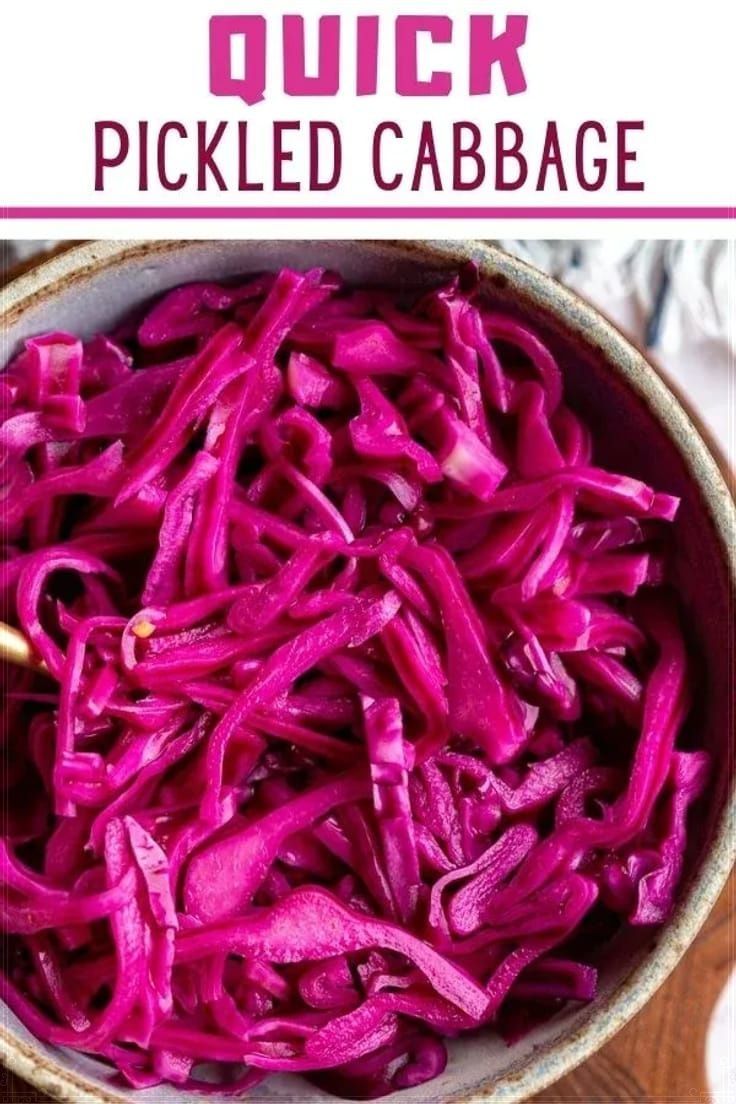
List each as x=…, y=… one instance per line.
x=361, y=716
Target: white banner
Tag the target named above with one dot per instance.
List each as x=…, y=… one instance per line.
x=368, y=113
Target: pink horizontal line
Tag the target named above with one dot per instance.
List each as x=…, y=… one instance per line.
x=368, y=212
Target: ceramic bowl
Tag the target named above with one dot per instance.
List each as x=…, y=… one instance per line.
x=641, y=429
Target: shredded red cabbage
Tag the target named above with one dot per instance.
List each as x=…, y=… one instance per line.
x=359, y=721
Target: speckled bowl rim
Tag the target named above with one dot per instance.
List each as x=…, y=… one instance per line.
x=588, y=327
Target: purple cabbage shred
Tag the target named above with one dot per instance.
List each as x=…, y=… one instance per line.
x=362, y=694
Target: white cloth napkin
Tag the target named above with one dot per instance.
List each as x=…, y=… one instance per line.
x=720, y=1054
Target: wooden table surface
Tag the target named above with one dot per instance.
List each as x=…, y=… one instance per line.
x=657, y=1059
